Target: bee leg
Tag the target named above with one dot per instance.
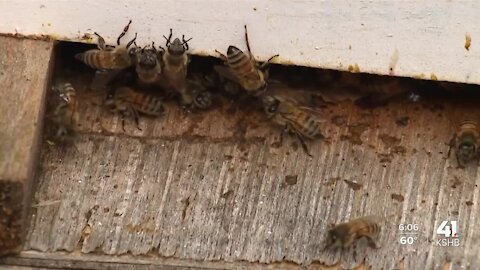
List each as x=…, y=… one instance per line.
x=450, y=145
x=123, y=122
x=169, y=38
x=125, y=29
x=371, y=243
x=282, y=135
x=222, y=56
x=265, y=64
x=136, y=117
x=161, y=50
x=303, y=143
x=101, y=42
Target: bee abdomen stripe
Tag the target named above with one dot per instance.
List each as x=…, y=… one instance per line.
x=238, y=59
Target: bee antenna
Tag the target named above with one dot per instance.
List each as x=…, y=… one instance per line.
x=185, y=41
x=132, y=41
x=153, y=46
x=169, y=37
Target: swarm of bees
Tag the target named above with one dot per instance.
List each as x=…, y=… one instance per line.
x=163, y=72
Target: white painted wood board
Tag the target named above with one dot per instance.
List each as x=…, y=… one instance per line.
x=423, y=39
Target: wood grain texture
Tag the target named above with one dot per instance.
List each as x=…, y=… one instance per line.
x=129, y=262
x=24, y=75
x=212, y=186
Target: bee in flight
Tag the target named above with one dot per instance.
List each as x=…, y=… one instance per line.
x=303, y=122
x=175, y=61
x=466, y=142
x=345, y=234
x=148, y=65
x=65, y=114
x=244, y=70
x=129, y=102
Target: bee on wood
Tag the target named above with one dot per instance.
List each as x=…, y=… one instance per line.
x=107, y=57
x=129, y=102
x=214, y=80
x=65, y=114
x=244, y=70
x=345, y=234
x=197, y=89
x=466, y=142
x=175, y=61
x=303, y=122
x=148, y=65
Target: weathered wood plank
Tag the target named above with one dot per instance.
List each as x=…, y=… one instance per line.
x=24, y=75
x=212, y=186
x=128, y=262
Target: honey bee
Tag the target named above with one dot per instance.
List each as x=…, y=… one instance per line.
x=175, y=60
x=466, y=142
x=345, y=234
x=65, y=114
x=214, y=80
x=196, y=88
x=106, y=57
x=148, y=65
x=244, y=70
x=129, y=102
x=303, y=122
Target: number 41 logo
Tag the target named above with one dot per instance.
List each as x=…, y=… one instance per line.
x=448, y=230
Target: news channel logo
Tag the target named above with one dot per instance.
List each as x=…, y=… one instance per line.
x=448, y=235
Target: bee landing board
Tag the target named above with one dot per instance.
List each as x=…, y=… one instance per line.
x=24, y=75
x=434, y=40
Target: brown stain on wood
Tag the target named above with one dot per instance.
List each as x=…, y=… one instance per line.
x=353, y=185
x=291, y=179
x=397, y=197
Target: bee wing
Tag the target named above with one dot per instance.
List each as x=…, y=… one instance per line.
x=226, y=72
x=102, y=78
x=371, y=219
x=320, y=115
